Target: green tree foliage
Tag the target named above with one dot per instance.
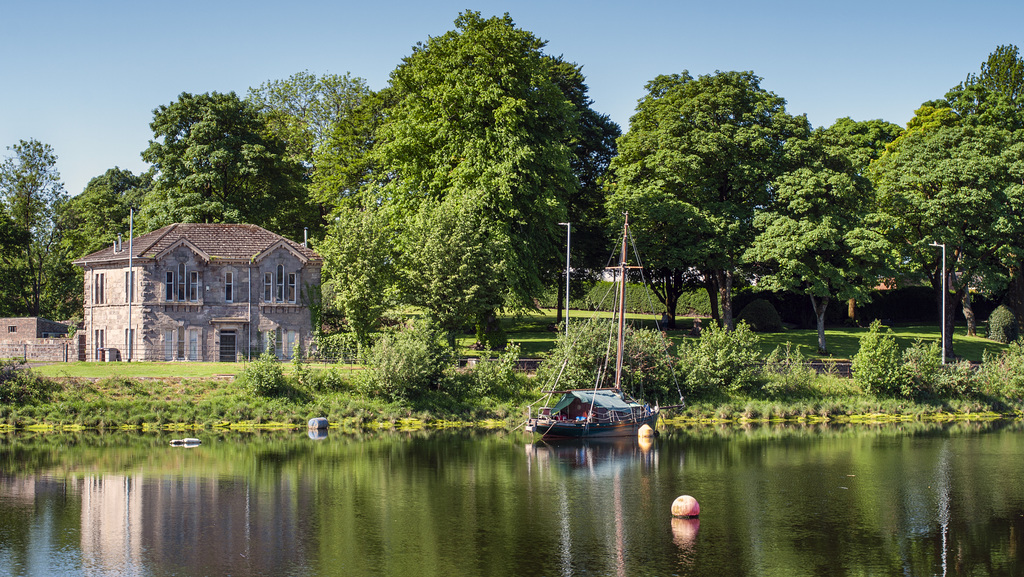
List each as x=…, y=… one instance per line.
x=359, y=253
x=700, y=157
x=952, y=182
x=216, y=161
x=95, y=217
x=305, y=110
x=474, y=127
x=814, y=239
x=38, y=278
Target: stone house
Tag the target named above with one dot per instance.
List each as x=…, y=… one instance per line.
x=17, y=329
x=199, y=292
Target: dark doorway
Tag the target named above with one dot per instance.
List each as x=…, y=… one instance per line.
x=227, y=346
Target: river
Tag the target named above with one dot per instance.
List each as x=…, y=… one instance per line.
x=912, y=499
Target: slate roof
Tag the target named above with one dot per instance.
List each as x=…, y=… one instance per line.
x=222, y=241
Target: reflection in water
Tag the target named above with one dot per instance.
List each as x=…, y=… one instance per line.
x=919, y=500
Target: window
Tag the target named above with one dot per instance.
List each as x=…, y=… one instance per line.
x=129, y=284
x=228, y=288
x=193, y=286
x=193, y=344
x=12, y=328
x=292, y=338
x=280, y=283
x=169, y=344
x=169, y=291
x=181, y=281
x=268, y=283
x=279, y=344
x=181, y=343
x=97, y=288
x=98, y=343
x=291, y=287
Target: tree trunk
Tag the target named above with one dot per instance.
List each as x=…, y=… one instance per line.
x=972, y=321
x=723, y=278
x=712, y=288
x=851, y=309
x=819, y=306
x=667, y=287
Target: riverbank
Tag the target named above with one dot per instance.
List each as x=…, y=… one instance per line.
x=181, y=404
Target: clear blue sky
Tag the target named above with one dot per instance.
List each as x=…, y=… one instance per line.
x=85, y=77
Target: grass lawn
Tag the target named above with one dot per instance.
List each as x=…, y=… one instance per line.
x=533, y=332
x=535, y=335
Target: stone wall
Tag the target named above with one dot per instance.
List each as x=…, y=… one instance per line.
x=40, y=350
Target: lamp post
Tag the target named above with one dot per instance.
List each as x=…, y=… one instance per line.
x=568, y=242
x=943, y=315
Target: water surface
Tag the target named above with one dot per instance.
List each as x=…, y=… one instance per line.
x=852, y=500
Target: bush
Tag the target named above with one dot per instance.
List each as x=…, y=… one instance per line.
x=878, y=364
x=1002, y=325
x=405, y=363
x=1002, y=374
x=785, y=370
x=761, y=316
x=20, y=386
x=639, y=299
x=498, y=378
x=719, y=360
x=922, y=364
x=587, y=360
x=340, y=346
x=263, y=377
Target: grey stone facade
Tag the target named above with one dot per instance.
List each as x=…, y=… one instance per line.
x=202, y=292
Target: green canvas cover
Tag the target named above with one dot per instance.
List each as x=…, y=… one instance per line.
x=604, y=399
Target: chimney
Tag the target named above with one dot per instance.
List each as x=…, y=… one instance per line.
x=305, y=236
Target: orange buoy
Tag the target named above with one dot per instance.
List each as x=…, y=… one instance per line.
x=685, y=506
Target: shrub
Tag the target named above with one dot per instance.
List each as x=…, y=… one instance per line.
x=719, y=359
x=922, y=365
x=408, y=362
x=263, y=377
x=761, y=316
x=878, y=364
x=498, y=378
x=1002, y=374
x=587, y=360
x=340, y=346
x=1002, y=325
x=785, y=370
x=20, y=386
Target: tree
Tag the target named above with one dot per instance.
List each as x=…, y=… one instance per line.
x=474, y=123
x=216, y=162
x=712, y=147
x=593, y=147
x=951, y=182
x=812, y=239
x=96, y=217
x=359, y=254
x=40, y=280
x=304, y=111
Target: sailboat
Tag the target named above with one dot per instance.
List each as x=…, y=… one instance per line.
x=598, y=412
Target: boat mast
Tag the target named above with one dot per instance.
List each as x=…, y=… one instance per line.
x=622, y=307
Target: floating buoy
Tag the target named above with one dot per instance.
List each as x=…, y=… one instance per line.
x=318, y=423
x=685, y=506
x=645, y=432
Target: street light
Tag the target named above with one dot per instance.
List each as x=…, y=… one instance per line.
x=943, y=315
x=568, y=241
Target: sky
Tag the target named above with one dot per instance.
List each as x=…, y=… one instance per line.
x=85, y=77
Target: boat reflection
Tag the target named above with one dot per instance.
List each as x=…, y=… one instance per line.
x=596, y=457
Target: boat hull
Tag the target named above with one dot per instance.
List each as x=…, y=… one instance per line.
x=549, y=429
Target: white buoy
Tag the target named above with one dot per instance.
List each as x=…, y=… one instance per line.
x=318, y=423
x=685, y=506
